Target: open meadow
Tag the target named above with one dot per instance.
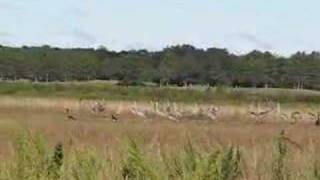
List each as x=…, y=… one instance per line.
x=159, y=90
x=102, y=131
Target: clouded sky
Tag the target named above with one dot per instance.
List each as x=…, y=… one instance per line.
x=281, y=26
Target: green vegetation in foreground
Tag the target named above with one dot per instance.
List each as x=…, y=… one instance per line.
x=101, y=90
x=34, y=160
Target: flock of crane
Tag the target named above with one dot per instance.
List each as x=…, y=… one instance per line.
x=173, y=112
x=260, y=114
x=181, y=113
x=168, y=110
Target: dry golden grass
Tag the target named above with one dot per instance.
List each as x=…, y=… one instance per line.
x=232, y=126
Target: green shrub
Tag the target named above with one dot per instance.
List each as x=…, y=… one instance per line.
x=279, y=168
x=86, y=166
x=135, y=165
x=31, y=157
x=217, y=165
x=54, y=170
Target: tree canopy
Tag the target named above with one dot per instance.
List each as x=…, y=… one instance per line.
x=176, y=65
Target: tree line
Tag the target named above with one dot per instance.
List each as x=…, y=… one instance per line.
x=175, y=65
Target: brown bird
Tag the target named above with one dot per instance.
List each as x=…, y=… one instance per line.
x=69, y=116
x=318, y=119
x=259, y=115
x=98, y=108
x=295, y=116
x=114, y=118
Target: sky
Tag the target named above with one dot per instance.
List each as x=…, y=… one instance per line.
x=279, y=26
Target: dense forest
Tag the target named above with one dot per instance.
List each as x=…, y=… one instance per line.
x=175, y=65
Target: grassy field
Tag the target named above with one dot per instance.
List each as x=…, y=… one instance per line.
x=179, y=137
x=196, y=94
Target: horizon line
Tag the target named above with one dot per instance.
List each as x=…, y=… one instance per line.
x=97, y=47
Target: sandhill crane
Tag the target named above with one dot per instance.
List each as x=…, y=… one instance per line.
x=212, y=112
x=258, y=115
x=159, y=113
x=195, y=108
x=172, y=118
x=287, y=118
x=295, y=116
x=98, y=107
x=315, y=117
x=206, y=113
x=119, y=109
x=114, y=118
x=284, y=116
x=292, y=118
x=176, y=110
x=69, y=116
x=278, y=108
x=154, y=105
x=317, y=123
x=166, y=111
x=213, y=109
x=134, y=110
x=171, y=114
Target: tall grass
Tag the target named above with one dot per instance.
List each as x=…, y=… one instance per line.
x=35, y=160
x=279, y=169
x=85, y=165
x=99, y=90
x=223, y=164
x=135, y=165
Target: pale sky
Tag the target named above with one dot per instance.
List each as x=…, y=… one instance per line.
x=280, y=26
